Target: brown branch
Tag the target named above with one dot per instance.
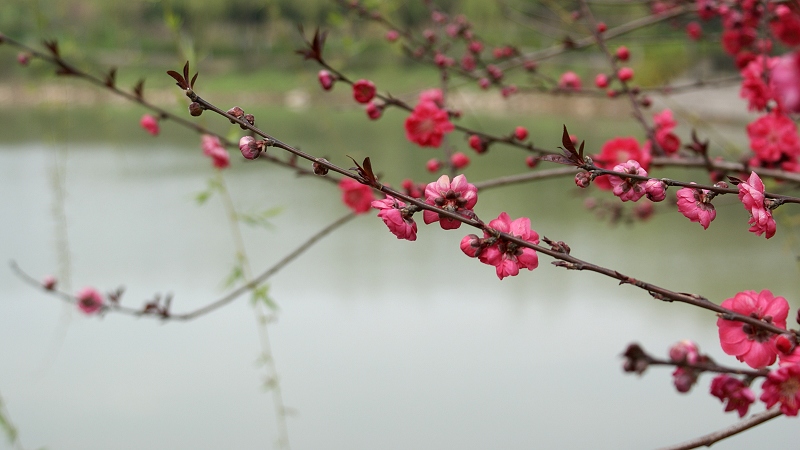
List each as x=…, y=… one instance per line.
x=742, y=425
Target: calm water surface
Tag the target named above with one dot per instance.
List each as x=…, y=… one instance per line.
x=380, y=344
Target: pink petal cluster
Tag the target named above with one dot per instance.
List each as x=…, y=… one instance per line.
x=355, y=195
x=774, y=140
x=752, y=345
x=427, y=124
x=786, y=24
x=754, y=87
x=432, y=95
x=628, y=189
x=457, y=196
x=695, y=205
x=89, y=300
x=684, y=351
x=783, y=386
x=734, y=391
x=149, y=124
x=507, y=257
x=619, y=150
x=751, y=194
x=785, y=82
x=664, y=124
x=396, y=218
x=213, y=148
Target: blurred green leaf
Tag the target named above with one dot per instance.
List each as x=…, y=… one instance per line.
x=236, y=274
x=261, y=295
x=261, y=218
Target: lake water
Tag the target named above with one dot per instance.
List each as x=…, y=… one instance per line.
x=379, y=343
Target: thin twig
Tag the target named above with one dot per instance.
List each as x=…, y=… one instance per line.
x=711, y=438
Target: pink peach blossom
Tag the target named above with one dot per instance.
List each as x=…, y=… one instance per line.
x=458, y=197
x=213, y=148
x=355, y=195
x=427, y=124
x=89, y=300
x=783, y=386
x=396, y=218
x=628, y=189
x=569, y=81
x=751, y=194
x=149, y=124
x=619, y=150
x=737, y=394
x=363, y=91
x=655, y=190
x=694, y=204
x=752, y=345
x=508, y=257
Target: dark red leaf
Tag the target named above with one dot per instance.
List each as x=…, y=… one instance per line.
x=194, y=78
x=181, y=82
x=139, y=89
x=111, y=78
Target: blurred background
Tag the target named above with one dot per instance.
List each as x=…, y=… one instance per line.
x=378, y=343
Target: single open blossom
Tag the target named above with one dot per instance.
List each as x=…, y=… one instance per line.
x=695, y=205
x=569, y=81
x=785, y=82
x=508, y=257
x=89, y=300
x=751, y=194
x=355, y=195
x=628, y=189
x=213, y=148
x=783, y=386
x=694, y=31
x=363, y=91
x=149, y=124
x=752, y=345
x=427, y=124
x=734, y=391
x=457, y=196
x=399, y=221
x=619, y=150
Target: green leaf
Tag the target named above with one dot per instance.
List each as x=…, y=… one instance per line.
x=202, y=197
x=236, y=274
x=260, y=219
x=261, y=295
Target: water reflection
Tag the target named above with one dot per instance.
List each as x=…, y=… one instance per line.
x=379, y=344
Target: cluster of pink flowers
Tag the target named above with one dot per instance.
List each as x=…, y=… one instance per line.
x=507, y=257
x=751, y=194
x=774, y=141
x=685, y=352
x=428, y=122
x=617, y=151
x=664, y=126
x=213, y=148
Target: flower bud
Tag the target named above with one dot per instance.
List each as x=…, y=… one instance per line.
x=520, y=133
x=195, y=109
x=325, y=79
x=49, y=282
x=249, y=147
x=583, y=179
x=319, y=169
x=236, y=112
x=459, y=160
x=655, y=190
